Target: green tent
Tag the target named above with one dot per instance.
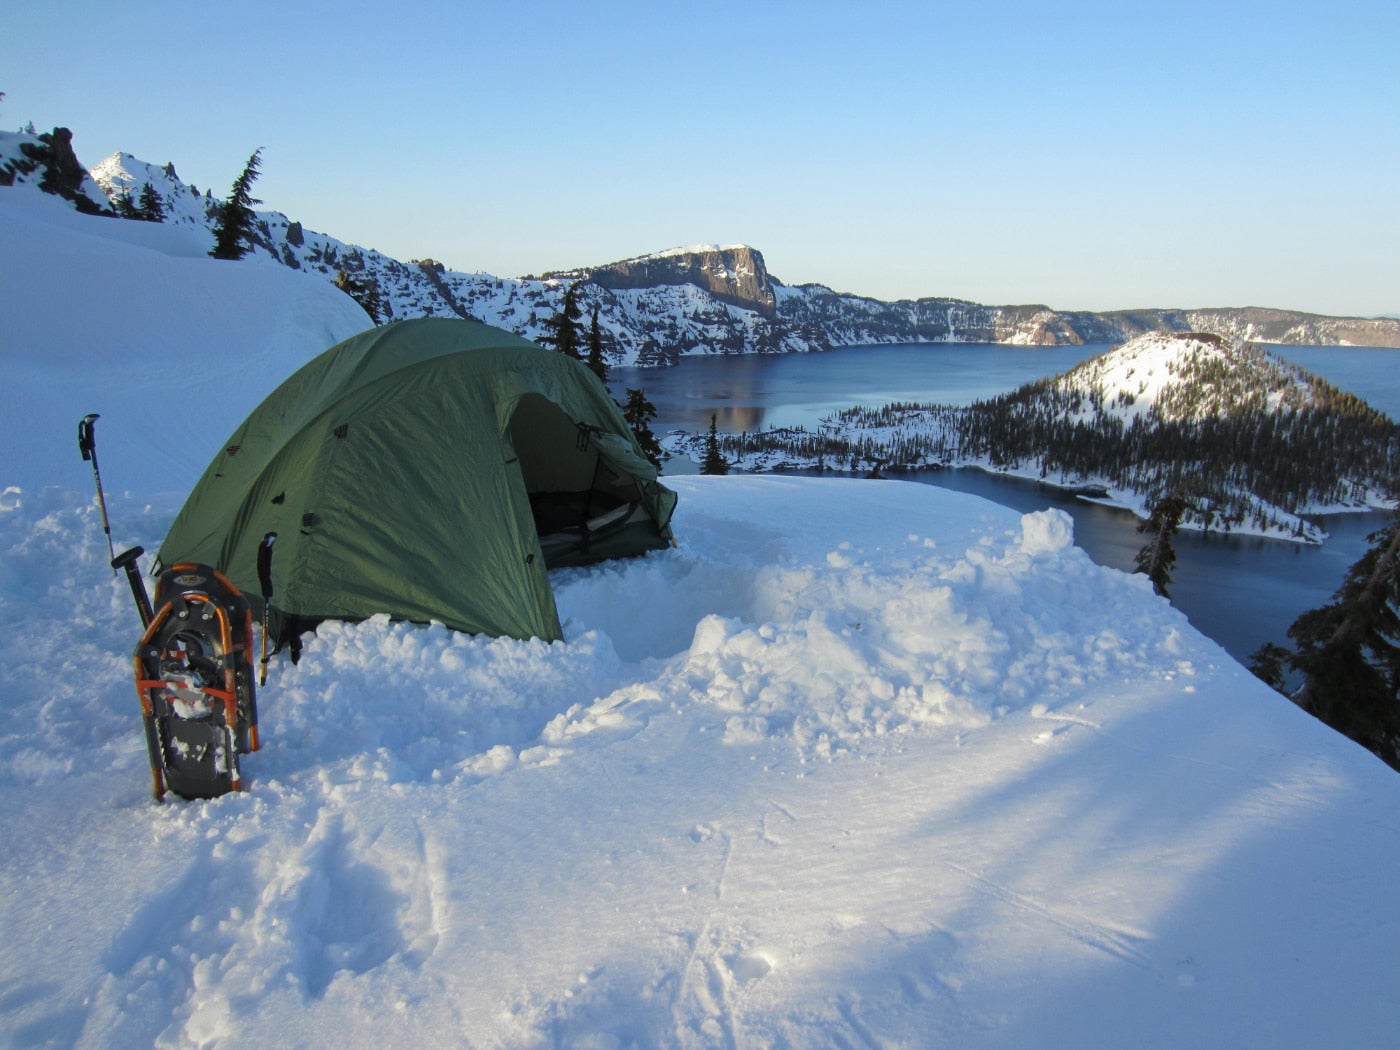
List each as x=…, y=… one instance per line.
x=429, y=469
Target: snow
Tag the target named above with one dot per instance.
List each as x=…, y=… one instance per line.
x=857, y=763
x=206, y=341
x=694, y=249
x=19, y=169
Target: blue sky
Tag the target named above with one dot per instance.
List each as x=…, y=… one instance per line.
x=1084, y=155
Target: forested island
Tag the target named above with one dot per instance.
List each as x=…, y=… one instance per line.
x=1248, y=441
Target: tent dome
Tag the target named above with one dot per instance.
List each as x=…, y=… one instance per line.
x=431, y=469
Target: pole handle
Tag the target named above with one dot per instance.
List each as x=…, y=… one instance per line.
x=87, y=442
x=87, y=445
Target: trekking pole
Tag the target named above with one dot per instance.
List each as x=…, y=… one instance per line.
x=87, y=445
x=265, y=582
x=127, y=560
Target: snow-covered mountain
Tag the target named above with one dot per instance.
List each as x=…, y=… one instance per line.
x=47, y=162
x=698, y=299
x=1191, y=377
x=852, y=765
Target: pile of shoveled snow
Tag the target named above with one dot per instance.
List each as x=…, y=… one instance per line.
x=858, y=763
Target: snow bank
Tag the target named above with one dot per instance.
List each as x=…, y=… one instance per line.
x=856, y=764
x=170, y=347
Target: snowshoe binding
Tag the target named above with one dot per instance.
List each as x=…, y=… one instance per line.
x=194, y=676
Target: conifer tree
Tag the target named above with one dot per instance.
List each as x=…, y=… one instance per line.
x=639, y=412
x=1348, y=652
x=233, y=219
x=123, y=205
x=151, y=207
x=596, y=364
x=715, y=463
x=562, y=328
x=1158, y=557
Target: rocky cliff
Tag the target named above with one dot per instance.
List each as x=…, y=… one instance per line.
x=734, y=275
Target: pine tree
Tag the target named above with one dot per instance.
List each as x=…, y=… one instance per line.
x=233, y=219
x=562, y=328
x=1158, y=557
x=596, y=364
x=715, y=463
x=639, y=412
x=152, y=207
x=123, y=205
x=1348, y=652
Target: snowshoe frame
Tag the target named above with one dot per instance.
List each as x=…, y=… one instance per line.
x=194, y=679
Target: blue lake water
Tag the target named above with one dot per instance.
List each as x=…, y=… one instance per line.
x=1240, y=591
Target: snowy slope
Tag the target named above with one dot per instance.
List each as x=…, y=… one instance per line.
x=1187, y=377
x=134, y=321
x=857, y=764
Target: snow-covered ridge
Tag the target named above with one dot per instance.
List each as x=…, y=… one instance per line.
x=740, y=307
x=47, y=163
x=693, y=249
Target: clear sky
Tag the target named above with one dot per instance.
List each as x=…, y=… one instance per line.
x=1084, y=155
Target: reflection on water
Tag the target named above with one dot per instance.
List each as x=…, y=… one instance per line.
x=739, y=419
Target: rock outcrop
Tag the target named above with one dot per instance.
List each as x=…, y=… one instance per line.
x=734, y=275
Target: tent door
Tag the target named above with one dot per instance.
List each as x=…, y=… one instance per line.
x=576, y=495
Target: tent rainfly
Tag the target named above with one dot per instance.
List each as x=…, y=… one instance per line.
x=431, y=469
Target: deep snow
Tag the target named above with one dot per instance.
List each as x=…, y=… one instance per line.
x=856, y=764
x=134, y=321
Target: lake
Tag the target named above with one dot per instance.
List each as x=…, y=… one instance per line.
x=1240, y=591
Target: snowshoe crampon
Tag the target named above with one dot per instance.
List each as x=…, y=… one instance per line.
x=195, y=680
